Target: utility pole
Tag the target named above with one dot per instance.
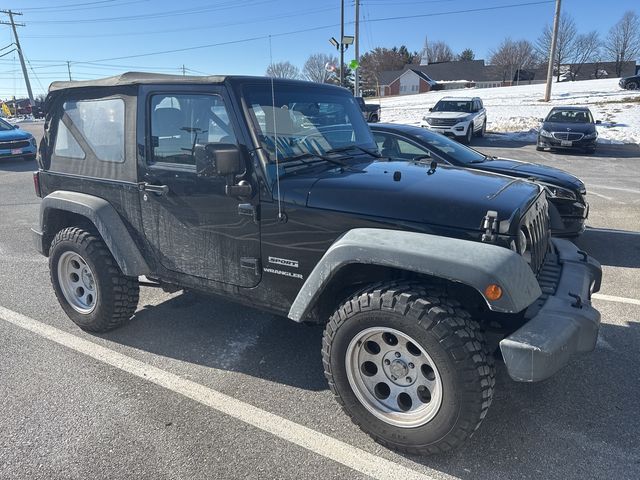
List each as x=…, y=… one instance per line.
x=356, y=89
x=15, y=34
x=183, y=70
x=552, y=53
x=69, y=69
x=341, y=43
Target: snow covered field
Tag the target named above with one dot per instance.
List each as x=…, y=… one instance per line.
x=515, y=111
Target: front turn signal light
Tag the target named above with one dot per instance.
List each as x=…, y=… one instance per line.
x=493, y=292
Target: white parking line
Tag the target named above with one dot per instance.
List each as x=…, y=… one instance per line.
x=613, y=298
x=300, y=435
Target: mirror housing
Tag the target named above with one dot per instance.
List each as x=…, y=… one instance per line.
x=16, y=127
x=598, y=122
x=431, y=109
x=218, y=160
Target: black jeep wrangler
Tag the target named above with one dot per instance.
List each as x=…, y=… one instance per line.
x=272, y=193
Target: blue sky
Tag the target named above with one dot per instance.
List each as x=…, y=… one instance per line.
x=94, y=35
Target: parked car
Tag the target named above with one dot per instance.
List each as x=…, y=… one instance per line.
x=218, y=186
x=15, y=142
x=566, y=193
x=571, y=128
x=457, y=117
x=371, y=111
x=630, y=83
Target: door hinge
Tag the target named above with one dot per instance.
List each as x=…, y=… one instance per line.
x=252, y=263
x=249, y=210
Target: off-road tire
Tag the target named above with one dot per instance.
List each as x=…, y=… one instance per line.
x=451, y=338
x=117, y=294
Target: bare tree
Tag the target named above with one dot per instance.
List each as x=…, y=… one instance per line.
x=565, y=45
x=623, y=42
x=587, y=47
x=513, y=56
x=439, y=52
x=315, y=68
x=283, y=70
x=379, y=60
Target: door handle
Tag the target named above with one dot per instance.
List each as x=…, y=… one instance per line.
x=159, y=189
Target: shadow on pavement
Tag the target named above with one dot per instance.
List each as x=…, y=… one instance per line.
x=616, y=248
x=215, y=333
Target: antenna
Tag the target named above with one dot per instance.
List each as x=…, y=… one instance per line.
x=275, y=133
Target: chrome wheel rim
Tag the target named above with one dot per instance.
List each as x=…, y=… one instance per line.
x=77, y=282
x=394, y=377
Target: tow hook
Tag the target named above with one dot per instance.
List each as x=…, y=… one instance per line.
x=578, y=302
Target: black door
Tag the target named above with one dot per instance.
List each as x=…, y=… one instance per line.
x=195, y=228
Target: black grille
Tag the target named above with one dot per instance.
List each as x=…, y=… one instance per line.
x=567, y=136
x=14, y=144
x=443, y=122
x=537, y=230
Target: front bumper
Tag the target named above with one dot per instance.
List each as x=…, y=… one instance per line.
x=28, y=152
x=582, y=144
x=562, y=322
x=457, y=130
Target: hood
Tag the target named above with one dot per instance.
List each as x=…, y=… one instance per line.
x=448, y=114
x=17, y=134
x=405, y=191
x=533, y=171
x=569, y=127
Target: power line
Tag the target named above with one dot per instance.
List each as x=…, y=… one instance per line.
x=68, y=8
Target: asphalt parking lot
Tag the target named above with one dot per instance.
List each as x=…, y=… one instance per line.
x=147, y=400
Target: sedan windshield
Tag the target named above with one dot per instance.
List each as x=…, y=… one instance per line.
x=570, y=116
x=299, y=121
x=450, y=150
x=4, y=125
x=453, y=106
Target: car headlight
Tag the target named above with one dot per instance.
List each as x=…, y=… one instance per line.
x=553, y=191
x=33, y=142
x=463, y=119
x=544, y=133
x=427, y=119
x=591, y=135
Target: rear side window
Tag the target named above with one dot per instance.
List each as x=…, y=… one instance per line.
x=94, y=127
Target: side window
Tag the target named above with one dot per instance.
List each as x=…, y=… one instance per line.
x=94, y=127
x=179, y=122
x=407, y=148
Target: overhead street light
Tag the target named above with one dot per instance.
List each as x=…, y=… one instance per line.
x=334, y=42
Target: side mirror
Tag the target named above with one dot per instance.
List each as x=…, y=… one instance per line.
x=541, y=120
x=598, y=122
x=431, y=109
x=217, y=160
x=16, y=127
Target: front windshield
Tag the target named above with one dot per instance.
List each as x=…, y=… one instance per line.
x=453, y=106
x=306, y=120
x=449, y=149
x=4, y=125
x=570, y=116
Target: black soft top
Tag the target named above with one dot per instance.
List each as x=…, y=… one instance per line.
x=136, y=78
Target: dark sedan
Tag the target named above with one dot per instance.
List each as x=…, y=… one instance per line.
x=566, y=193
x=630, y=83
x=16, y=143
x=568, y=128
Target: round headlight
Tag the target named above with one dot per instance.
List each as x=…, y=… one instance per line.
x=522, y=245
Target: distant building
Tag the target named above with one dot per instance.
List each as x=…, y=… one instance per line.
x=469, y=74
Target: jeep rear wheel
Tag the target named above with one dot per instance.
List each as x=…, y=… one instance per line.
x=89, y=285
x=409, y=366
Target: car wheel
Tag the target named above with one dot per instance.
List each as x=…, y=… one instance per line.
x=88, y=283
x=539, y=149
x=483, y=130
x=409, y=366
x=469, y=135
x=632, y=85
x=373, y=119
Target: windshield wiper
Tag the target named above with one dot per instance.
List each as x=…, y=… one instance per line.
x=351, y=147
x=303, y=156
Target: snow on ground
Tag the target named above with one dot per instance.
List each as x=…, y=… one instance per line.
x=515, y=111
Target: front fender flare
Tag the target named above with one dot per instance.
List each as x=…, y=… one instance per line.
x=472, y=263
x=107, y=221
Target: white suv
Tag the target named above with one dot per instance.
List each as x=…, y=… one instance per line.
x=458, y=117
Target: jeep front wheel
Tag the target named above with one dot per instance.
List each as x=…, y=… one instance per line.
x=90, y=286
x=409, y=366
